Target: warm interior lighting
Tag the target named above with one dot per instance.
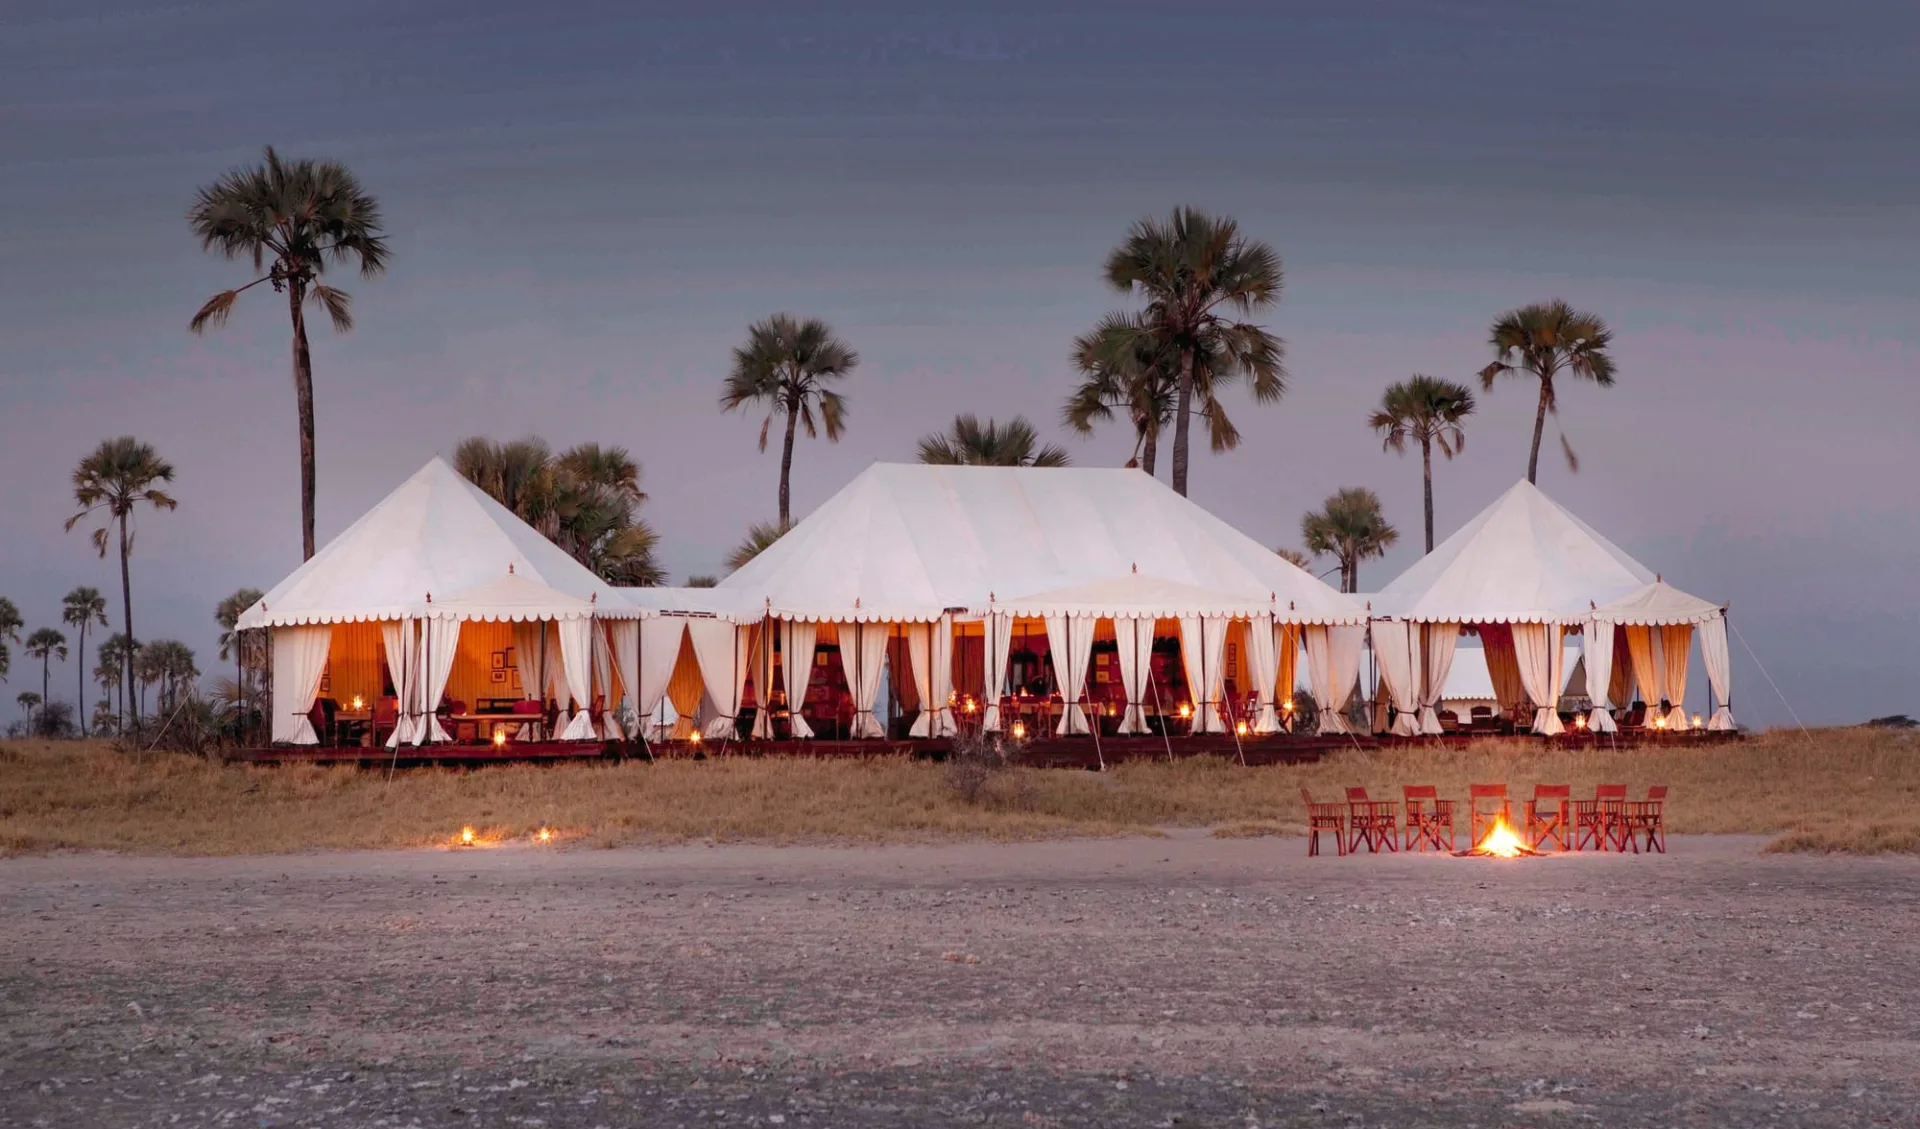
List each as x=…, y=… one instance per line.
x=1186, y=710
x=1659, y=723
x=1501, y=841
x=1579, y=721
x=499, y=738
x=694, y=737
x=971, y=705
x=466, y=836
x=1696, y=721
x=1240, y=728
x=1287, y=705
x=359, y=703
x=1019, y=730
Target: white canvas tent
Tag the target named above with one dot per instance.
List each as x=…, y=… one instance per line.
x=1522, y=573
x=928, y=554
x=433, y=555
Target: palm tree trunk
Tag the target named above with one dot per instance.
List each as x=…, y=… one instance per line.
x=46, y=675
x=130, y=712
x=1150, y=452
x=1182, y=422
x=786, y=459
x=80, y=682
x=303, y=396
x=1539, y=428
x=1426, y=471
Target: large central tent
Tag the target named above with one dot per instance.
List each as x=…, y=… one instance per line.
x=943, y=568
x=1523, y=573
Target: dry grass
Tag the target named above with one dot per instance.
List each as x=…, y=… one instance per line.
x=1838, y=790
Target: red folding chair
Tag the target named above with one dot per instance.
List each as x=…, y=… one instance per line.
x=1550, y=817
x=1600, y=823
x=1646, y=819
x=1488, y=803
x=1428, y=817
x=1371, y=822
x=1324, y=817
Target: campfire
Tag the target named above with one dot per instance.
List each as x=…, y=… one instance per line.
x=1499, y=842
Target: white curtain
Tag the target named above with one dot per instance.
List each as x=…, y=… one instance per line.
x=1536, y=647
x=625, y=643
x=1394, y=646
x=442, y=642
x=940, y=662
x=796, y=666
x=1599, y=660
x=999, y=643
x=862, y=661
x=1713, y=653
x=576, y=666
x=1127, y=634
x=920, y=658
x=1333, y=666
x=1263, y=666
x=1676, y=640
x=299, y=662
x=1203, y=649
x=715, y=643
x=1647, y=676
x=531, y=659
x=1071, y=640
x=398, y=637
x=658, y=644
x=1439, y=642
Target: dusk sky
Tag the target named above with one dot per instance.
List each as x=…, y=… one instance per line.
x=589, y=202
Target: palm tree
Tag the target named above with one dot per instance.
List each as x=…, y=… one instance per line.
x=701, y=580
x=1193, y=269
x=972, y=443
x=786, y=365
x=1294, y=557
x=111, y=663
x=585, y=500
x=30, y=702
x=81, y=607
x=46, y=645
x=170, y=664
x=1428, y=411
x=116, y=477
x=302, y=215
x=235, y=644
x=1543, y=341
x=760, y=537
x=10, y=625
x=1349, y=528
x=1123, y=366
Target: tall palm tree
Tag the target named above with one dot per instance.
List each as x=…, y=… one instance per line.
x=10, y=625
x=1123, y=365
x=302, y=215
x=1543, y=341
x=787, y=364
x=234, y=643
x=168, y=663
x=972, y=443
x=29, y=702
x=110, y=670
x=1428, y=411
x=760, y=537
x=586, y=500
x=80, y=608
x=117, y=476
x=1349, y=528
x=46, y=645
x=1194, y=270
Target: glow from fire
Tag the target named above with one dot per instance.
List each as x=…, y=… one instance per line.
x=1019, y=730
x=544, y=835
x=1500, y=840
x=466, y=836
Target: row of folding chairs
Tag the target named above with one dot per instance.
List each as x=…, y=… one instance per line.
x=1553, y=819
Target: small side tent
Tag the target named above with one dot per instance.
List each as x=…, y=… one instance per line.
x=437, y=598
x=1522, y=574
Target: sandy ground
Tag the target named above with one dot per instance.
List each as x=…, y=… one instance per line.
x=1183, y=981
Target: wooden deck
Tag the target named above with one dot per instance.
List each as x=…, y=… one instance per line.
x=1049, y=752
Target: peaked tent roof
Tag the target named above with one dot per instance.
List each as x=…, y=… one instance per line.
x=1523, y=559
x=1659, y=603
x=906, y=542
x=436, y=533
x=514, y=598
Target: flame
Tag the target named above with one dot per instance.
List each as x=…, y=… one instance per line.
x=1501, y=841
x=544, y=835
x=466, y=836
x=1019, y=730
